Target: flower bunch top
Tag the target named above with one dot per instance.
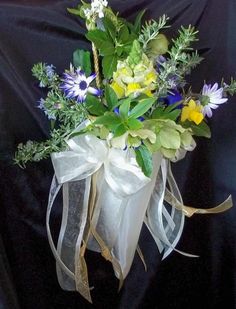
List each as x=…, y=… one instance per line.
x=131, y=86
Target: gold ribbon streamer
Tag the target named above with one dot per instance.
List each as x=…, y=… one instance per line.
x=190, y=211
x=81, y=275
x=140, y=253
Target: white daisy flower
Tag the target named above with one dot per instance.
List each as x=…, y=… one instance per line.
x=212, y=97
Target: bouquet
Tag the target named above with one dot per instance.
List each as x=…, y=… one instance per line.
x=119, y=115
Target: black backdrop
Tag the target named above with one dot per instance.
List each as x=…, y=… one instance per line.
x=42, y=30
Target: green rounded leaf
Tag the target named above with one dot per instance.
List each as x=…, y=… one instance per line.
x=169, y=138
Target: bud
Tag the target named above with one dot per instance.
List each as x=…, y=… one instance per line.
x=157, y=46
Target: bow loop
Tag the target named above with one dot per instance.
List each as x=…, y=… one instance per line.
x=87, y=154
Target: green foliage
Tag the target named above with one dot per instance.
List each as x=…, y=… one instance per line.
x=231, y=88
x=202, y=129
x=144, y=160
x=142, y=107
x=151, y=29
x=46, y=75
x=135, y=54
x=170, y=112
x=114, y=42
x=138, y=22
x=124, y=109
x=109, y=64
x=94, y=106
x=179, y=62
x=82, y=59
x=111, y=97
x=141, y=121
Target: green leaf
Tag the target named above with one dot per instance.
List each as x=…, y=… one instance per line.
x=144, y=160
x=119, y=50
x=109, y=64
x=74, y=11
x=153, y=147
x=142, y=107
x=186, y=138
x=94, y=106
x=168, y=153
x=158, y=113
x=111, y=97
x=104, y=132
x=81, y=58
x=77, y=133
x=137, y=23
x=109, y=120
x=110, y=27
x=119, y=130
x=202, y=129
x=134, y=124
x=124, y=34
x=98, y=37
x=124, y=108
x=107, y=49
x=162, y=113
x=169, y=138
x=173, y=106
x=135, y=55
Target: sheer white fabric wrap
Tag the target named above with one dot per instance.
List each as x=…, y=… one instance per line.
x=126, y=199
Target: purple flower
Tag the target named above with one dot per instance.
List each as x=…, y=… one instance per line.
x=76, y=85
x=159, y=61
x=50, y=71
x=43, y=108
x=173, y=98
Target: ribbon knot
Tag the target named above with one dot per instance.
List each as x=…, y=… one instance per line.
x=87, y=154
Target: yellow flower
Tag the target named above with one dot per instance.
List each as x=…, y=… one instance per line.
x=192, y=112
x=148, y=92
x=132, y=88
x=120, y=92
x=151, y=77
x=136, y=79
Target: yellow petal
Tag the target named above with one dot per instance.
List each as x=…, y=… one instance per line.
x=185, y=113
x=148, y=93
x=120, y=92
x=196, y=117
x=192, y=104
x=132, y=87
x=151, y=77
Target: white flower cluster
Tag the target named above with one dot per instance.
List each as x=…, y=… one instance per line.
x=97, y=7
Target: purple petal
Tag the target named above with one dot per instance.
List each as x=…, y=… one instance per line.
x=91, y=78
x=94, y=91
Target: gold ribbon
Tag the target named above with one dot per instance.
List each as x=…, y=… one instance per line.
x=141, y=256
x=190, y=211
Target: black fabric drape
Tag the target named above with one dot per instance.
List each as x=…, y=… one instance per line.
x=41, y=30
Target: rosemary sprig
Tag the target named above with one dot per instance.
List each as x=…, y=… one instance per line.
x=151, y=29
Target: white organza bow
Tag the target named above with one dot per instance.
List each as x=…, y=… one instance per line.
x=88, y=154
x=125, y=199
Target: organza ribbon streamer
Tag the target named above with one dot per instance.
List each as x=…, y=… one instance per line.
x=106, y=199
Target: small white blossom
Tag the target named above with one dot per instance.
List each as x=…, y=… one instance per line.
x=97, y=9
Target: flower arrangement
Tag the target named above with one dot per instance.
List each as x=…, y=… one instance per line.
x=121, y=112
